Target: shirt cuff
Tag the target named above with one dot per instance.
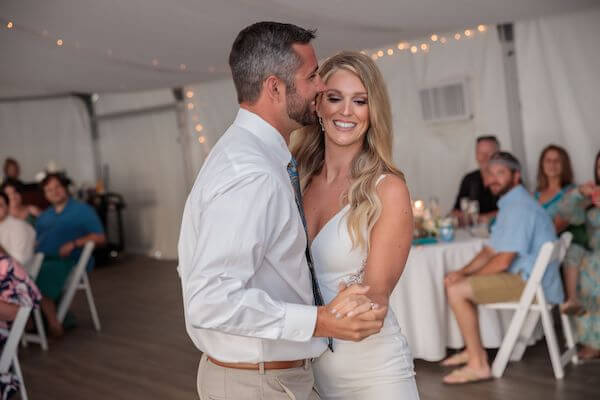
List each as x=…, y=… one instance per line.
x=299, y=322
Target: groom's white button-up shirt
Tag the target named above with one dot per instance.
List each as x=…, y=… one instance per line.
x=246, y=286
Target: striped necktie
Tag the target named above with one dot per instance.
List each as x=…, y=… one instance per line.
x=292, y=170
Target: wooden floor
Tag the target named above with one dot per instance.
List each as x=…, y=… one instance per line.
x=144, y=353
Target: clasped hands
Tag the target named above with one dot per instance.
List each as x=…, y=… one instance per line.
x=351, y=315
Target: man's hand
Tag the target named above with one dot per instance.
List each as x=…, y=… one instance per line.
x=454, y=277
x=66, y=249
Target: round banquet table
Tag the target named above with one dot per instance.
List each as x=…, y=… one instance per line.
x=419, y=299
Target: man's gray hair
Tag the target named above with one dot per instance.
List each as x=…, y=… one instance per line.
x=264, y=49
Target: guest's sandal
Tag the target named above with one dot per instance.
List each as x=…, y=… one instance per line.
x=456, y=360
x=465, y=375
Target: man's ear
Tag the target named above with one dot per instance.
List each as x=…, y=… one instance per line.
x=273, y=88
x=517, y=177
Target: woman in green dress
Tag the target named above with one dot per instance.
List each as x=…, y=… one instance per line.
x=582, y=265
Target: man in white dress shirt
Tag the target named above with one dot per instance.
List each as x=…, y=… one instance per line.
x=248, y=288
x=17, y=237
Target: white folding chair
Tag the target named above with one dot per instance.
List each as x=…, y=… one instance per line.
x=9, y=358
x=78, y=279
x=33, y=268
x=527, y=314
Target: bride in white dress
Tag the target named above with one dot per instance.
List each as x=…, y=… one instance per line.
x=360, y=223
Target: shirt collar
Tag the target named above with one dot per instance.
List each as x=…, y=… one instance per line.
x=69, y=201
x=265, y=132
x=512, y=195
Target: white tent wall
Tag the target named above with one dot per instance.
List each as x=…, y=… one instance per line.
x=558, y=65
x=36, y=132
x=145, y=165
x=434, y=157
x=214, y=109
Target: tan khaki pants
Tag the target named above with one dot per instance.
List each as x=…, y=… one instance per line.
x=220, y=383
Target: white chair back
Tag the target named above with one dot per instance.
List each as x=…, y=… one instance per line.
x=34, y=265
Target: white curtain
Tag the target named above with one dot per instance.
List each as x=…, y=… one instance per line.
x=142, y=155
x=56, y=130
x=558, y=61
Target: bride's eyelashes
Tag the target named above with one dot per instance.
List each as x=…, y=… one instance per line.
x=335, y=99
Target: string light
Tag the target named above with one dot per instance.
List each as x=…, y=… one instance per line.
x=201, y=139
x=390, y=52
x=424, y=46
x=434, y=37
x=44, y=35
x=468, y=33
x=402, y=46
x=199, y=127
x=481, y=28
x=380, y=53
x=457, y=36
x=443, y=40
x=413, y=49
x=189, y=94
x=190, y=106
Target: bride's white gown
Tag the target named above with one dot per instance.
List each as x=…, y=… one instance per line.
x=381, y=366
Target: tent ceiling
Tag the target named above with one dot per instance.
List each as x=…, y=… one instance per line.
x=123, y=45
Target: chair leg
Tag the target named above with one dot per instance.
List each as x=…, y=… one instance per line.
x=19, y=373
x=39, y=325
x=568, y=332
x=508, y=343
x=552, y=344
x=525, y=335
x=91, y=303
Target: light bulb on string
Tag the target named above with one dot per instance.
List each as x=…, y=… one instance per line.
x=198, y=127
x=414, y=49
x=390, y=52
x=443, y=40
x=189, y=94
x=468, y=33
x=481, y=28
x=380, y=53
x=201, y=139
x=424, y=46
x=190, y=106
x=10, y=25
x=59, y=42
x=402, y=46
x=434, y=38
x=457, y=36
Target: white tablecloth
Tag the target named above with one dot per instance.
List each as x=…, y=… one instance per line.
x=419, y=300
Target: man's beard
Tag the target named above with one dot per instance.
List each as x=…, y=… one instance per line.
x=504, y=189
x=299, y=109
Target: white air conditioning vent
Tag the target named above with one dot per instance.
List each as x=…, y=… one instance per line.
x=446, y=102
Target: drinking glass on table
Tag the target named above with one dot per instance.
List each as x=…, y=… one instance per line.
x=473, y=212
x=464, y=207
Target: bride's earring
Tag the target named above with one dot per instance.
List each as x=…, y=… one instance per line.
x=321, y=123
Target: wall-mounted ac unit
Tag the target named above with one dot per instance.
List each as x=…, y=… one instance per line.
x=445, y=102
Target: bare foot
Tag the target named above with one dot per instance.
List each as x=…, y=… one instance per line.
x=467, y=375
x=55, y=330
x=588, y=353
x=456, y=359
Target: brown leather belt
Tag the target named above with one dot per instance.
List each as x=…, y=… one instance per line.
x=266, y=365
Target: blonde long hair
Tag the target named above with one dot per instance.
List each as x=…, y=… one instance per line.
x=375, y=158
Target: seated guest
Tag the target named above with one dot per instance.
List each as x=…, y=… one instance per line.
x=11, y=170
x=16, y=289
x=500, y=271
x=582, y=265
x=473, y=185
x=554, y=179
x=16, y=236
x=62, y=230
x=14, y=191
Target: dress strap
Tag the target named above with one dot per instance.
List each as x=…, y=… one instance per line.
x=380, y=179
